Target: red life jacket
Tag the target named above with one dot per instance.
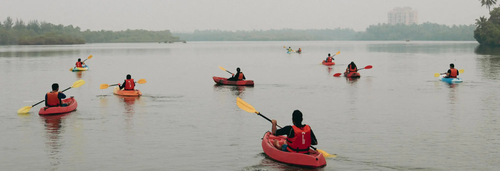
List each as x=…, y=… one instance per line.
x=129, y=84
x=453, y=73
x=353, y=69
x=240, y=76
x=301, y=141
x=53, y=99
x=79, y=64
x=329, y=59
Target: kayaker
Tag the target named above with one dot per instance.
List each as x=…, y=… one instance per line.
x=300, y=50
x=289, y=49
x=351, y=68
x=53, y=98
x=238, y=77
x=79, y=64
x=299, y=137
x=452, y=72
x=329, y=58
x=128, y=84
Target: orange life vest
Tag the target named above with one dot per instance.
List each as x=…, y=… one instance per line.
x=301, y=141
x=53, y=99
x=129, y=84
x=79, y=64
x=329, y=59
x=240, y=77
x=453, y=73
x=353, y=69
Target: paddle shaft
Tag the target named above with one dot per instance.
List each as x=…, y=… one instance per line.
x=44, y=100
x=268, y=119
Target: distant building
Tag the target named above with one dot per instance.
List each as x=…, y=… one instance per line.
x=403, y=15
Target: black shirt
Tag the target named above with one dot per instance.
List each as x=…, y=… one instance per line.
x=288, y=131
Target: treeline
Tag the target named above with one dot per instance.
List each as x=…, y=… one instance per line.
x=42, y=33
x=487, y=32
x=425, y=31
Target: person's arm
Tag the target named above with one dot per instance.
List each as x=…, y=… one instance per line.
x=244, y=77
x=123, y=85
x=61, y=95
x=284, y=131
x=46, y=105
x=314, y=141
x=273, y=128
x=448, y=73
x=458, y=72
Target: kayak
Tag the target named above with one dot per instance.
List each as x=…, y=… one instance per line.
x=352, y=75
x=450, y=80
x=135, y=92
x=328, y=63
x=313, y=160
x=224, y=81
x=58, y=110
x=83, y=68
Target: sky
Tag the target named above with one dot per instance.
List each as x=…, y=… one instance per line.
x=190, y=15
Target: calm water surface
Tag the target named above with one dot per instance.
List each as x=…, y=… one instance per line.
x=397, y=116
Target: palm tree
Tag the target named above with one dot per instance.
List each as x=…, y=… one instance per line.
x=488, y=3
x=481, y=21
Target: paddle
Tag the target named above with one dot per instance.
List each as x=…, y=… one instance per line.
x=438, y=74
x=226, y=70
x=332, y=56
x=366, y=67
x=90, y=57
x=249, y=108
x=27, y=109
x=289, y=50
x=105, y=86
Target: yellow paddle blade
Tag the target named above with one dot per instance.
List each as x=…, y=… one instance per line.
x=337, y=53
x=24, y=110
x=141, y=81
x=71, y=69
x=284, y=46
x=104, y=86
x=325, y=154
x=78, y=84
x=436, y=74
x=90, y=57
x=245, y=106
x=461, y=71
x=222, y=68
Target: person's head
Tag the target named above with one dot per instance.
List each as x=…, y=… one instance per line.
x=289, y=47
x=79, y=60
x=328, y=54
x=129, y=77
x=238, y=69
x=452, y=65
x=297, y=117
x=55, y=87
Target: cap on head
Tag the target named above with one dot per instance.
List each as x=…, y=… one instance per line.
x=452, y=65
x=238, y=69
x=55, y=86
x=297, y=117
x=128, y=76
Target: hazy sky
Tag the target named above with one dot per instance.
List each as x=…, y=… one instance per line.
x=188, y=15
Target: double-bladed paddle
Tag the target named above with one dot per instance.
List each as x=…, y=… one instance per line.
x=105, y=86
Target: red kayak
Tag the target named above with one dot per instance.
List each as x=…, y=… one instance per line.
x=352, y=75
x=224, y=81
x=328, y=63
x=313, y=160
x=58, y=110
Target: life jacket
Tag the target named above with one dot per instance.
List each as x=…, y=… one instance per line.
x=352, y=68
x=240, y=76
x=129, y=84
x=79, y=64
x=301, y=141
x=53, y=99
x=453, y=73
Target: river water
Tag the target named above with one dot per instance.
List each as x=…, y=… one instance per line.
x=397, y=116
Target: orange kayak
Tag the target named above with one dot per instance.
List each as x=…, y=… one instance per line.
x=224, y=81
x=58, y=110
x=328, y=63
x=135, y=92
x=313, y=160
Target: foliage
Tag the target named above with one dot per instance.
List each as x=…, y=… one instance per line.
x=488, y=3
x=488, y=31
x=425, y=31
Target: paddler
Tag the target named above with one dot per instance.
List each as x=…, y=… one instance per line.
x=53, y=98
x=300, y=50
x=79, y=64
x=128, y=84
x=289, y=49
x=299, y=137
x=351, y=67
x=452, y=72
x=238, y=77
x=329, y=58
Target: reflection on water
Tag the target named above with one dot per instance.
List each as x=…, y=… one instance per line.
x=269, y=164
x=53, y=129
x=236, y=90
x=79, y=74
x=489, y=64
x=351, y=81
x=329, y=69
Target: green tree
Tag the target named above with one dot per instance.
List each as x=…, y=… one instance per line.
x=488, y=3
x=481, y=21
x=8, y=23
